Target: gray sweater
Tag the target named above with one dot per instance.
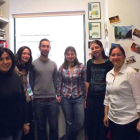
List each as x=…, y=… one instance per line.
x=42, y=78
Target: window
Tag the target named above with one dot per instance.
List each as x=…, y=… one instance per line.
x=62, y=31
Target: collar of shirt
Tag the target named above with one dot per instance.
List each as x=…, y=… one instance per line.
x=122, y=70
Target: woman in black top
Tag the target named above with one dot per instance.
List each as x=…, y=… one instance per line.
x=23, y=65
x=13, y=105
x=97, y=68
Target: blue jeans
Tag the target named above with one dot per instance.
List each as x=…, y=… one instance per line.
x=16, y=136
x=74, y=113
x=46, y=109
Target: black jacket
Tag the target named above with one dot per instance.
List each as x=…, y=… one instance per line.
x=13, y=105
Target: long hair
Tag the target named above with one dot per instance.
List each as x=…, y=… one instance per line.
x=28, y=65
x=101, y=45
x=76, y=62
x=8, y=51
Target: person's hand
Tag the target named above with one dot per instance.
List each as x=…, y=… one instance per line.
x=85, y=104
x=58, y=99
x=106, y=121
x=138, y=126
x=26, y=129
x=28, y=97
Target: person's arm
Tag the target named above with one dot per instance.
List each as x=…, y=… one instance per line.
x=55, y=77
x=23, y=77
x=25, y=83
x=88, y=74
x=26, y=127
x=106, y=121
x=138, y=125
x=134, y=81
x=83, y=80
x=32, y=79
x=106, y=109
x=59, y=84
x=87, y=86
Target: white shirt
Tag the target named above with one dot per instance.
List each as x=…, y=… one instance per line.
x=123, y=95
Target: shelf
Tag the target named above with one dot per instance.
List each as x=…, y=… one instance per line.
x=4, y=20
x=2, y=39
x=2, y=1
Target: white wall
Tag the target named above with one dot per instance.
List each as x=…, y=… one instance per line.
x=128, y=11
x=34, y=6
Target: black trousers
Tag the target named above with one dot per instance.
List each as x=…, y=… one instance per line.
x=124, y=132
x=95, y=128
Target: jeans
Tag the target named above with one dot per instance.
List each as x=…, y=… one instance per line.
x=46, y=109
x=16, y=136
x=74, y=113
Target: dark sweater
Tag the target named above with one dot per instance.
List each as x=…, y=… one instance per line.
x=13, y=105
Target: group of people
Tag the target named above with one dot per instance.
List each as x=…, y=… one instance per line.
x=105, y=96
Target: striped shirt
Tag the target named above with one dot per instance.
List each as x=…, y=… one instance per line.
x=72, y=84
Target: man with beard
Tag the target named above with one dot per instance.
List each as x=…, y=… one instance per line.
x=42, y=80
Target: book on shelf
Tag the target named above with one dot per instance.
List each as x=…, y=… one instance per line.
x=1, y=30
x=3, y=41
x=1, y=33
x=1, y=37
x=1, y=45
x=4, y=20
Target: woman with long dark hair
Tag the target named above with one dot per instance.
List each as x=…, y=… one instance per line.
x=97, y=68
x=71, y=93
x=23, y=65
x=13, y=105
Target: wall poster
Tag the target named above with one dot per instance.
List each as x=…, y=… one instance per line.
x=94, y=10
x=94, y=30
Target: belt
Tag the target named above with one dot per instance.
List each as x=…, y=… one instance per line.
x=44, y=99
